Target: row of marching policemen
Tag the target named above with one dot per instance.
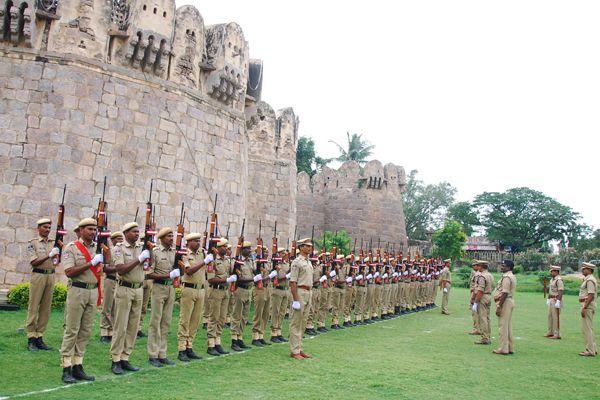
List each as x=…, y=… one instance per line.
x=123, y=271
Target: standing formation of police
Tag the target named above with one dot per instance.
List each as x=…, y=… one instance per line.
x=356, y=290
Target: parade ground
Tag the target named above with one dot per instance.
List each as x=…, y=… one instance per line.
x=423, y=355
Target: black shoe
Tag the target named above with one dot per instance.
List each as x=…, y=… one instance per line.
x=191, y=355
x=80, y=375
x=235, y=346
x=141, y=334
x=116, y=368
x=275, y=339
x=243, y=345
x=67, y=376
x=41, y=345
x=257, y=343
x=154, y=362
x=227, y=325
x=128, y=367
x=104, y=339
x=165, y=361
x=204, y=325
x=264, y=343
x=182, y=356
x=282, y=339
x=334, y=327
x=308, y=332
x=213, y=352
x=347, y=324
x=220, y=349
x=32, y=344
x=322, y=329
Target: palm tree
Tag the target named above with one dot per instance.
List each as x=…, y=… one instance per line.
x=358, y=149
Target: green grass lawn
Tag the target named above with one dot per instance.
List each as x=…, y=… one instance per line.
x=417, y=356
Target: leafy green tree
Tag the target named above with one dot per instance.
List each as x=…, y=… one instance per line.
x=464, y=213
x=340, y=239
x=449, y=241
x=568, y=259
x=307, y=159
x=425, y=205
x=583, y=238
x=524, y=218
x=358, y=149
x=533, y=260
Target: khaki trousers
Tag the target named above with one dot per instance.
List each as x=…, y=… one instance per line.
x=298, y=320
x=445, y=297
x=323, y=306
x=370, y=300
x=483, y=317
x=360, y=304
x=553, y=318
x=41, y=290
x=387, y=292
x=126, y=321
x=241, y=311
x=348, y=302
x=80, y=310
x=315, y=295
x=217, y=303
x=191, y=307
x=377, y=300
x=230, y=305
x=162, y=301
x=505, y=326
x=108, y=306
x=206, y=307
x=279, y=304
x=145, y=300
x=262, y=305
x=587, y=327
x=337, y=304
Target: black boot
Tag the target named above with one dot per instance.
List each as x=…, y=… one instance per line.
x=165, y=361
x=116, y=368
x=257, y=343
x=104, y=339
x=80, y=375
x=141, y=334
x=191, y=355
x=128, y=367
x=67, y=376
x=243, y=345
x=41, y=345
x=264, y=343
x=220, y=349
x=154, y=362
x=275, y=339
x=204, y=325
x=282, y=339
x=32, y=344
x=182, y=356
x=235, y=346
x=213, y=352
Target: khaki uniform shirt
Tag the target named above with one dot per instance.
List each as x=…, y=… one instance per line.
x=162, y=260
x=220, y=270
x=40, y=248
x=316, y=272
x=556, y=284
x=284, y=269
x=507, y=284
x=588, y=286
x=124, y=253
x=446, y=275
x=247, y=270
x=473, y=279
x=72, y=257
x=192, y=259
x=484, y=281
x=341, y=274
x=302, y=271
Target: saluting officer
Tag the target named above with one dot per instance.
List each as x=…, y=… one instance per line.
x=40, y=252
x=109, y=284
x=301, y=281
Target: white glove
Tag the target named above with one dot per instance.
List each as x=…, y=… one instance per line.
x=405, y=273
x=332, y=273
x=445, y=290
x=98, y=258
x=296, y=305
x=395, y=274
x=385, y=275
x=288, y=275
x=359, y=277
x=376, y=274
x=53, y=252
x=547, y=302
x=144, y=255
x=257, y=278
x=174, y=274
x=323, y=279
x=209, y=258
x=474, y=307
x=232, y=278
x=349, y=279
x=273, y=274
x=369, y=276
x=557, y=304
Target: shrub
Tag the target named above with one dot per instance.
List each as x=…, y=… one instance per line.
x=518, y=269
x=463, y=275
x=19, y=295
x=533, y=260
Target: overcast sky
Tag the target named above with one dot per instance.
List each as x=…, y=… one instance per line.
x=485, y=95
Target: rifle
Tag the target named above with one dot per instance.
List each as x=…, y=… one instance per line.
x=260, y=255
x=137, y=211
x=212, y=234
x=60, y=229
x=149, y=229
x=179, y=251
x=313, y=257
x=238, y=258
x=227, y=233
x=294, y=244
x=205, y=235
x=102, y=223
x=274, y=255
x=545, y=286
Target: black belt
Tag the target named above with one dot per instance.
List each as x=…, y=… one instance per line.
x=340, y=285
x=111, y=277
x=221, y=286
x=131, y=284
x=191, y=285
x=244, y=285
x=281, y=287
x=43, y=271
x=163, y=281
x=363, y=285
x=316, y=286
x=84, y=285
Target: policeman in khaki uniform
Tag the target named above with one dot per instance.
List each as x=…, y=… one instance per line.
x=241, y=297
x=145, y=301
x=360, y=303
x=279, y=296
x=82, y=297
x=587, y=299
x=484, y=283
x=262, y=303
x=445, y=284
x=350, y=294
x=109, y=284
x=40, y=252
x=554, y=303
x=129, y=261
x=472, y=279
x=219, y=280
x=191, y=305
x=338, y=292
x=301, y=282
x=315, y=298
x=163, y=297
x=504, y=298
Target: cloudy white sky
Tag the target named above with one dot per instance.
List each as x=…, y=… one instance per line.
x=485, y=95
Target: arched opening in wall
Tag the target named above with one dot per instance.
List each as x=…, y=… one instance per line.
x=164, y=14
x=155, y=10
x=136, y=49
x=147, y=52
x=6, y=21
x=144, y=7
x=159, y=55
x=23, y=13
